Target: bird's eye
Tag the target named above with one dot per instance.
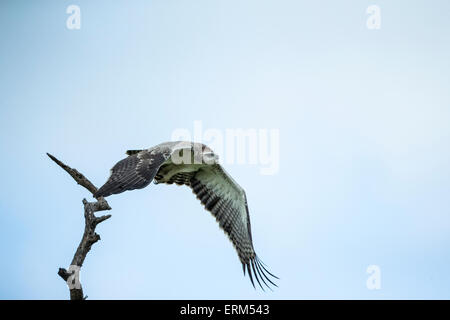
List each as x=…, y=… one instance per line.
x=209, y=158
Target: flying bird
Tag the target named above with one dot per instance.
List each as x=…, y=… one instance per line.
x=196, y=166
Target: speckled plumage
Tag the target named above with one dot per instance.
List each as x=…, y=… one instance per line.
x=212, y=185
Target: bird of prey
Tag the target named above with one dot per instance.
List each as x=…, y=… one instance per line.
x=194, y=165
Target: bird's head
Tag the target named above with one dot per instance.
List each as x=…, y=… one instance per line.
x=193, y=153
x=204, y=153
x=210, y=158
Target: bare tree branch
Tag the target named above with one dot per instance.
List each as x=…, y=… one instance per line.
x=77, y=176
x=89, y=235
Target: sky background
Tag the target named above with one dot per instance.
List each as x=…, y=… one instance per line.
x=363, y=117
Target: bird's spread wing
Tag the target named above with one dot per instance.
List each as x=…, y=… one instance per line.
x=134, y=172
x=227, y=202
x=212, y=185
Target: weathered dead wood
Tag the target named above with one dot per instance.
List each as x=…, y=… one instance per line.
x=90, y=237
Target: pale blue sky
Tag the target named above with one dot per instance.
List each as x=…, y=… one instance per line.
x=364, y=145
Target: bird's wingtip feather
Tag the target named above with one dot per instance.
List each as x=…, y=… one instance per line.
x=260, y=272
